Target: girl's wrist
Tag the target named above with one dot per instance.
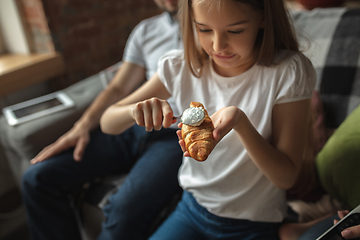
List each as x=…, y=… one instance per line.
x=241, y=120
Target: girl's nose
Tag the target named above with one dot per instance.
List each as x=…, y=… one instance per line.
x=219, y=42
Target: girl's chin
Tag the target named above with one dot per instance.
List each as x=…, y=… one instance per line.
x=224, y=65
x=224, y=71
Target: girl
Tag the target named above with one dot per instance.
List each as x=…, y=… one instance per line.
x=243, y=63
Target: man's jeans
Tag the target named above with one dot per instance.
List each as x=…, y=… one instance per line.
x=152, y=161
x=191, y=221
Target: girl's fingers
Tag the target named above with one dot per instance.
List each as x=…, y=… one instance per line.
x=153, y=113
x=138, y=114
x=178, y=133
x=157, y=116
x=148, y=116
x=181, y=141
x=182, y=145
x=167, y=114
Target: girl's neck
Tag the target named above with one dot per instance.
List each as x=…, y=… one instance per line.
x=232, y=72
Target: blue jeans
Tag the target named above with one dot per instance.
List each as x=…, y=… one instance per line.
x=191, y=221
x=316, y=231
x=152, y=161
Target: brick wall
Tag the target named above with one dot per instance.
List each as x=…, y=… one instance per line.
x=91, y=34
x=34, y=17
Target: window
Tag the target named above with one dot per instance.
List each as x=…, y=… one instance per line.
x=2, y=45
x=14, y=39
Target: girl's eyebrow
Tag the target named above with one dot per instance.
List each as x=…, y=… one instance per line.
x=239, y=23
x=233, y=24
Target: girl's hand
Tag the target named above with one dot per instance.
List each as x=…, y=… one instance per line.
x=182, y=142
x=152, y=114
x=224, y=120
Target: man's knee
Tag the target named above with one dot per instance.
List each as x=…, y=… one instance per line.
x=30, y=178
x=36, y=177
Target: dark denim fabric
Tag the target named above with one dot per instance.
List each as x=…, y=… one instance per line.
x=321, y=227
x=152, y=161
x=191, y=221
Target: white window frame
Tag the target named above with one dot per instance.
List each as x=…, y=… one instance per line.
x=2, y=45
x=13, y=32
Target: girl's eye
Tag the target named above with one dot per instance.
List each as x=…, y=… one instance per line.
x=236, y=32
x=204, y=30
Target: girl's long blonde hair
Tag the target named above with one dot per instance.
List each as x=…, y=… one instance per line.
x=278, y=33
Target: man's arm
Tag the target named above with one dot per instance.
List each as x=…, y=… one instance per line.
x=126, y=80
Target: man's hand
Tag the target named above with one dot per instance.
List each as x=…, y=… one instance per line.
x=126, y=80
x=77, y=137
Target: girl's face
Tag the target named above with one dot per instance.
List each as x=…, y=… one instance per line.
x=228, y=34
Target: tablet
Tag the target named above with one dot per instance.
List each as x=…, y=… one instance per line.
x=37, y=107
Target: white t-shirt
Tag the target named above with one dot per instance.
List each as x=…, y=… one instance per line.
x=228, y=183
x=150, y=40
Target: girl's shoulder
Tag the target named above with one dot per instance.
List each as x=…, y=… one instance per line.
x=174, y=55
x=298, y=77
x=294, y=62
x=172, y=63
x=173, y=59
x=287, y=58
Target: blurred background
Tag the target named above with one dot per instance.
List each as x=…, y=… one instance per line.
x=47, y=45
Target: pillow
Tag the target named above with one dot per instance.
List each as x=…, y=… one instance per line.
x=338, y=163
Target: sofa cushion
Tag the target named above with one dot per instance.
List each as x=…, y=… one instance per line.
x=330, y=38
x=24, y=141
x=338, y=163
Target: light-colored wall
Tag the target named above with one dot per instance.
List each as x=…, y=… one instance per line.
x=11, y=25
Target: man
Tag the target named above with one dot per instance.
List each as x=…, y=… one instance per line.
x=84, y=153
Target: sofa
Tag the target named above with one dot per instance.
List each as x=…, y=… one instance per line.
x=330, y=38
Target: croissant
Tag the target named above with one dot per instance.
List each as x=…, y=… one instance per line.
x=199, y=140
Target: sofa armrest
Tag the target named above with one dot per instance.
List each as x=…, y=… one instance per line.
x=24, y=141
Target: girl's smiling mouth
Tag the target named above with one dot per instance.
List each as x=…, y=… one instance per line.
x=224, y=57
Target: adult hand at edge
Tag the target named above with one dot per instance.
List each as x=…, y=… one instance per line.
x=77, y=137
x=351, y=232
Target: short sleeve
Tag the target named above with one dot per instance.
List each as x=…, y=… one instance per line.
x=297, y=81
x=169, y=69
x=133, y=49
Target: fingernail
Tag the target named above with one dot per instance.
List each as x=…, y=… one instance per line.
x=347, y=233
